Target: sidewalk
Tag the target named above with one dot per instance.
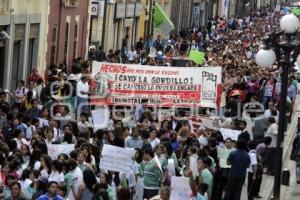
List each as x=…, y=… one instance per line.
x=266, y=190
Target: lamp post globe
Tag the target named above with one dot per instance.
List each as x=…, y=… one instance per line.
x=265, y=58
x=289, y=23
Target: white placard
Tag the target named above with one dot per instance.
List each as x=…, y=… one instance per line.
x=171, y=167
x=43, y=122
x=100, y=118
x=165, y=115
x=139, y=189
x=180, y=188
x=194, y=166
x=229, y=133
x=54, y=150
x=116, y=158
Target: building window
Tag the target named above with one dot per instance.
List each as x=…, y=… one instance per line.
x=75, y=40
x=66, y=42
x=53, y=46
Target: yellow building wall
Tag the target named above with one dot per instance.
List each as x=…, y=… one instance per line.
x=26, y=11
x=165, y=4
x=143, y=19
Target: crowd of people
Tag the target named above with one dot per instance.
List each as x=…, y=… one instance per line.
x=46, y=111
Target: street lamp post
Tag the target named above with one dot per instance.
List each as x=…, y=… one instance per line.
x=285, y=44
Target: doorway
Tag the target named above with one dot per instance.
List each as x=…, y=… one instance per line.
x=2, y=62
x=16, y=68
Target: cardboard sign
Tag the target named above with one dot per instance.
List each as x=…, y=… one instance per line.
x=229, y=133
x=54, y=150
x=116, y=158
x=100, y=118
x=181, y=189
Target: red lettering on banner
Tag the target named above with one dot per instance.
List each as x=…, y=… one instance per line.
x=219, y=95
x=111, y=68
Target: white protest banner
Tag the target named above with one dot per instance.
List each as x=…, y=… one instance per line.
x=100, y=118
x=165, y=115
x=126, y=84
x=54, y=150
x=180, y=188
x=116, y=158
x=229, y=133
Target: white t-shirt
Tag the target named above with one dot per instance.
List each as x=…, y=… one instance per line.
x=25, y=183
x=273, y=132
x=20, y=142
x=203, y=141
x=44, y=173
x=82, y=87
x=57, y=177
x=253, y=160
x=37, y=165
x=154, y=142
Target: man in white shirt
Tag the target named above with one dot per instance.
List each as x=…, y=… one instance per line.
x=254, y=177
x=268, y=112
x=273, y=133
x=82, y=93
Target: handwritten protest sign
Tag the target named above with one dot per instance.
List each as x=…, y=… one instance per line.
x=116, y=158
x=180, y=188
x=197, y=56
x=127, y=85
x=229, y=133
x=165, y=115
x=54, y=150
x=100, y=118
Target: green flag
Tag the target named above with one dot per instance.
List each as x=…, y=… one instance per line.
x=197, y=56
x=296, y=11
x=160, y=17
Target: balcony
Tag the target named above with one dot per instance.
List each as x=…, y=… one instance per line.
x=70, y=3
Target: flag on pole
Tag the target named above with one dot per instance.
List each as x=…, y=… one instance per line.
x=160, y=17
x=197, y=56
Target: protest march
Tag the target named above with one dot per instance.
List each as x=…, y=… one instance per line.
x=134, y=125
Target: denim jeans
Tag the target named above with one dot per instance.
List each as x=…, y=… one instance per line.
x=83, y=105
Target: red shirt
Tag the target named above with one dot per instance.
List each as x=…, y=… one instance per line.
x=35, y=78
